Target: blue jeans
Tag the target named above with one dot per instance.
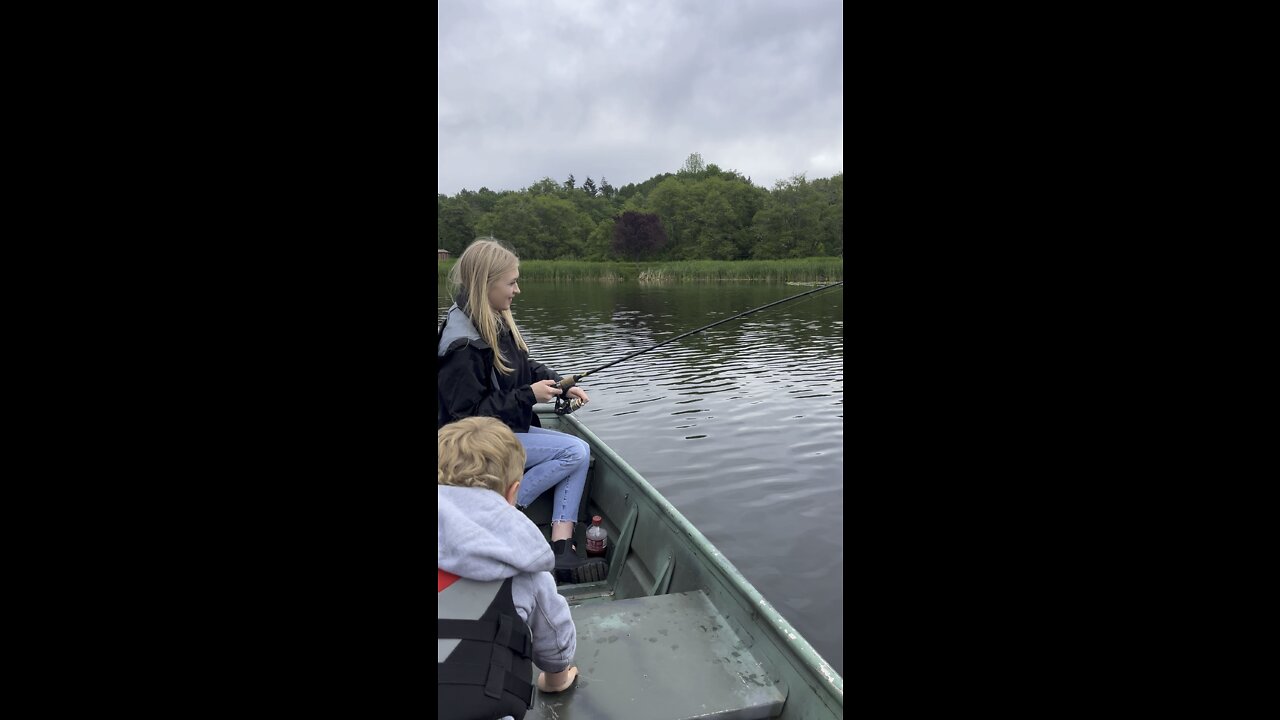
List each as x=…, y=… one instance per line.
x=554, y=459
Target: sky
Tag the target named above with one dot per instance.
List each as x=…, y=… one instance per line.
x=627, y=90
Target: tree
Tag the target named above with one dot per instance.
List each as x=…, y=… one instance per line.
x=638, y=235
x=693, y=165
x=484, y=200
x=789, y=225
x=538, y=227
x=606, y=189
x=568, y=184
x=675, y=201
x=589, y=187
x=545, y=186
x=599, y=241
x=455, y=224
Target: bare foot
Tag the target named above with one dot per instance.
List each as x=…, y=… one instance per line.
x=558, y=681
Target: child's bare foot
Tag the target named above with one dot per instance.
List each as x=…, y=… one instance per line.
x=557, y=681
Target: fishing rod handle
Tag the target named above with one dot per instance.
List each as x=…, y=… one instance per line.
x=567, y=382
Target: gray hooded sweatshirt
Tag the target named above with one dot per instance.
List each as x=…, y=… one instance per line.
x=479, y=536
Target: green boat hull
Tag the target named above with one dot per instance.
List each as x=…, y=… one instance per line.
x=675, y=631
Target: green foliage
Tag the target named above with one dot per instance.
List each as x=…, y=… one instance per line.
x=707, y=213
x=798, y=216
x=600, y=241
x=814, y=269
x=455, y=224
x=693, y=165
x=545, y=186
x=643, y=188
x=708, y=218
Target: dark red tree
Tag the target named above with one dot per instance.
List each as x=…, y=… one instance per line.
x=638, y=235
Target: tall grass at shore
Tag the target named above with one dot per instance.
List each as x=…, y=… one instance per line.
x=828, y=269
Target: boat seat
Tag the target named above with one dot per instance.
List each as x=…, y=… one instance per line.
x=663, y=657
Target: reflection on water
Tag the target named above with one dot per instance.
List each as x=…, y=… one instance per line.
x=741, y=426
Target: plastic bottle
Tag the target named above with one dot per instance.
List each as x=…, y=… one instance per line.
x=597, y=538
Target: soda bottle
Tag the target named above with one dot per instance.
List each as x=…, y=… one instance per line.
x=597, y=538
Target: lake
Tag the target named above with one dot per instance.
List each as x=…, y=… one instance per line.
x=741, y=426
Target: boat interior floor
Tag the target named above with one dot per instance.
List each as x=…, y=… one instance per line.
x=646, y=653
x=663, y=657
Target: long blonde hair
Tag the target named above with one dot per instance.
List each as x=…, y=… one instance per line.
x=481, y=452
x=484, y=261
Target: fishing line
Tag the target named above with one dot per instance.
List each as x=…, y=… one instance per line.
x=563, y=404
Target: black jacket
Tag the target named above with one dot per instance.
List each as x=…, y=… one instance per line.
x=469, y=385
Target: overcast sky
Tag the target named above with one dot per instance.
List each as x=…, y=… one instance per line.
x=627, y=90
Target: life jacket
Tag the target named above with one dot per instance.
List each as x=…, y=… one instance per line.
x=484, y=666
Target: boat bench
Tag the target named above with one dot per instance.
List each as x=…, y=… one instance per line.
x=662, y=657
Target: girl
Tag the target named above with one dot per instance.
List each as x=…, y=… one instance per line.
x=484, y=369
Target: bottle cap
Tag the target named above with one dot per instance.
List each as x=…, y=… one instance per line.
x=596, y=519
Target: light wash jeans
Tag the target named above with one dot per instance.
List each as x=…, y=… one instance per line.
x=554, y=459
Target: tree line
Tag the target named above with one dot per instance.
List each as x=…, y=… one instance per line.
x=699, y=212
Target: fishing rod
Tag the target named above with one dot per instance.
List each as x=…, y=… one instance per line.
x=564, y=406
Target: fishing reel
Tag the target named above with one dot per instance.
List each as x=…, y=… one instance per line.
x=565, y=404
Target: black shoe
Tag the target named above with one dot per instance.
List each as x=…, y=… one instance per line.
x=572, y=569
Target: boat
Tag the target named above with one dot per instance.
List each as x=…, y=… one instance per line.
x=675, y=630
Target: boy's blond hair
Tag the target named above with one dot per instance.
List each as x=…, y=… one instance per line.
x=479, y=452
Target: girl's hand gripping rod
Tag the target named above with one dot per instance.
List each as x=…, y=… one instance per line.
x=565, y=404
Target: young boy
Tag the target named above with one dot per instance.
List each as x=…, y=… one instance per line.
x=494, y=580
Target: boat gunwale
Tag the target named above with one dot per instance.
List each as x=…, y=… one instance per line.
x=784, y=633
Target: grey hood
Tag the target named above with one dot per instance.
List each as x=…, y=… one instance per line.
x=480, y=536
x=456, y=327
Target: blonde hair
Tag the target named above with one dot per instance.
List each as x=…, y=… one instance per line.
x=483, y=263
x=479, y=452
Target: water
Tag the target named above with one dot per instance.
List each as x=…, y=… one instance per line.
x=741, y=426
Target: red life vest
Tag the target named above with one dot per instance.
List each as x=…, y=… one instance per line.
x=444, y=579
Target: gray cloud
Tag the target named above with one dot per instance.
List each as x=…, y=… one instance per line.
x=627, y=90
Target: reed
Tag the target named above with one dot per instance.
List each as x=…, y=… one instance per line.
x=817, y=269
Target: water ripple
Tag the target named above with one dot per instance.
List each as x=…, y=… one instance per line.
x=757, y=464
